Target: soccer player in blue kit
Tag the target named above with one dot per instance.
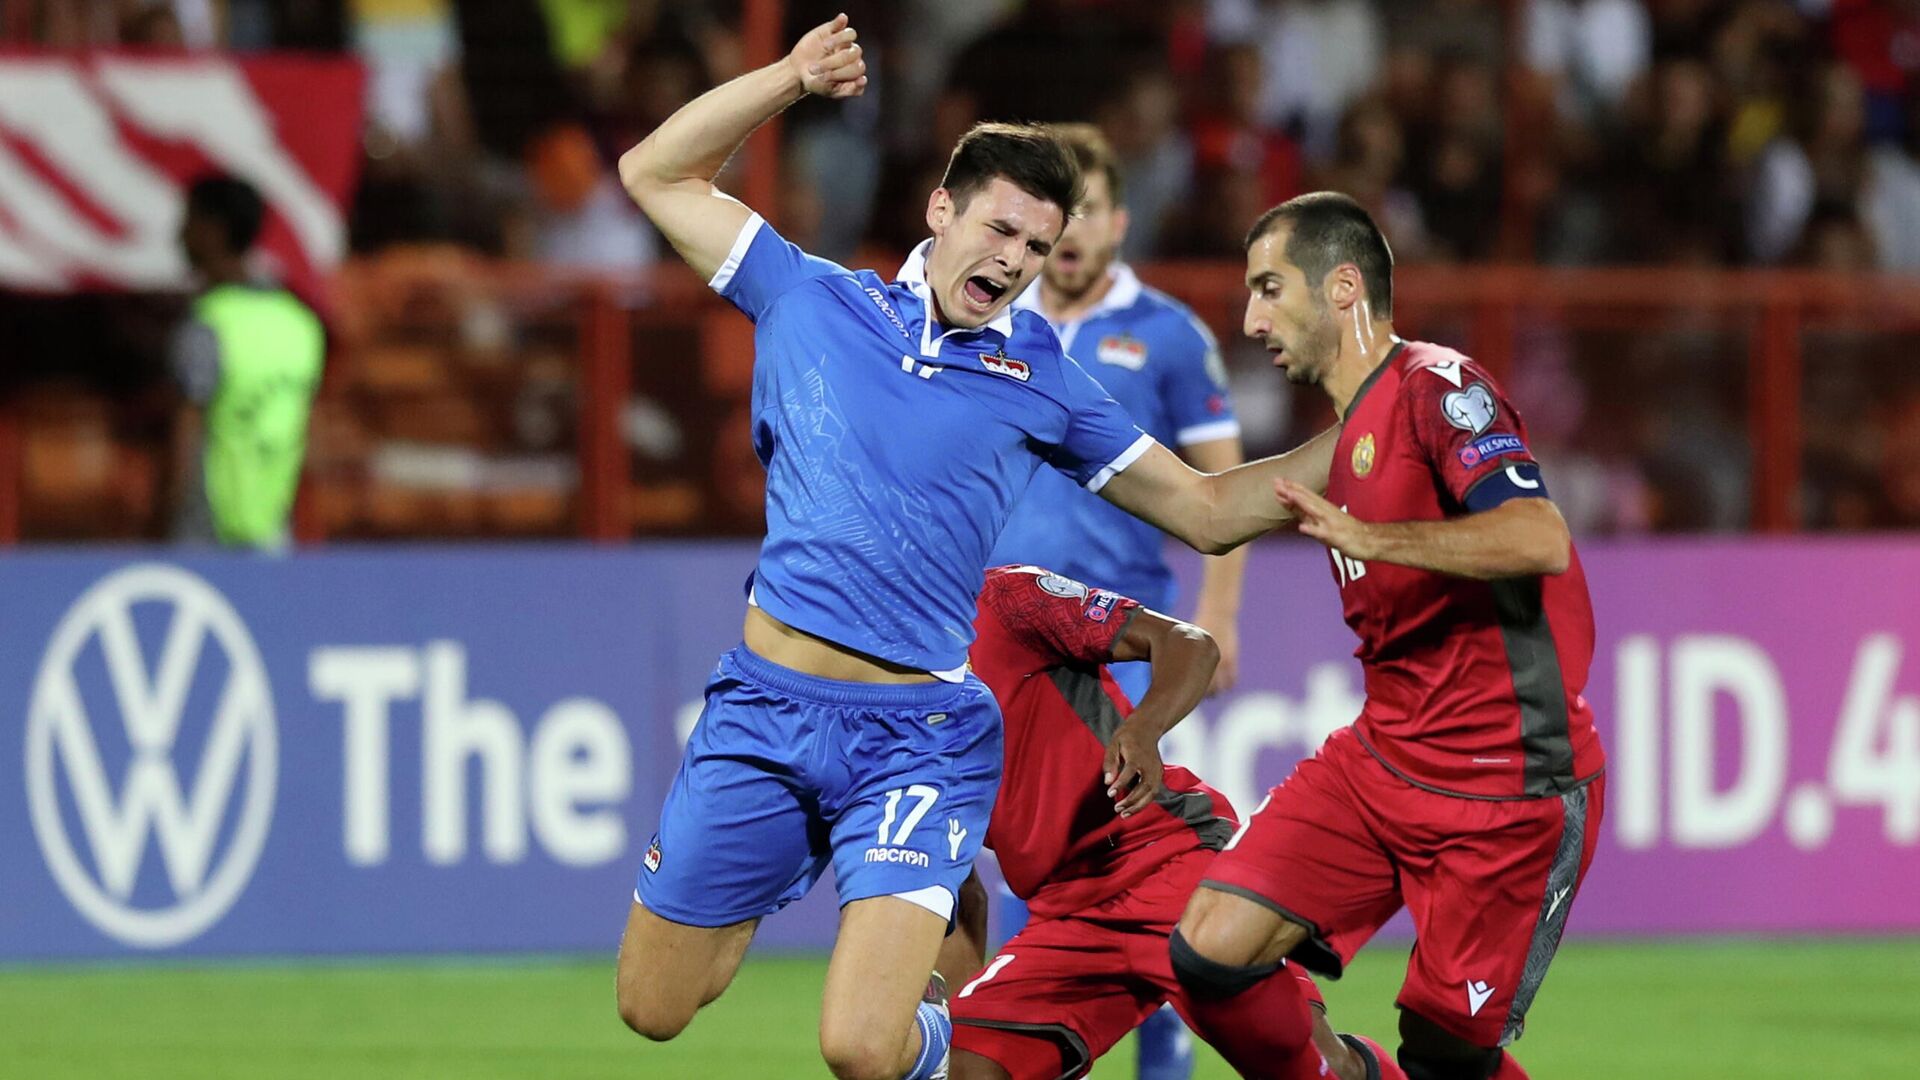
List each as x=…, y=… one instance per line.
x=898, y=422
x=1164, y=367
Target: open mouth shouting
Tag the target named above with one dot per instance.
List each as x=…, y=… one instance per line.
x=983, y=292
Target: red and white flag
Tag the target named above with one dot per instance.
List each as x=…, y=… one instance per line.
x=96, y=151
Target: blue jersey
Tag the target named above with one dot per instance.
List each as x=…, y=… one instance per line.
x=1163, y=365
x=895, y=448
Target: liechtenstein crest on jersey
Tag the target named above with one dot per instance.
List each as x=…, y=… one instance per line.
x=1123, y=350
x=1000, y=363
x=1363, y=455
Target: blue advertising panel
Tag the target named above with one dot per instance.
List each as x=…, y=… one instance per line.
x=441, y=749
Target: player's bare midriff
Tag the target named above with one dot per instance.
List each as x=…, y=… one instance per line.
x=771, y=639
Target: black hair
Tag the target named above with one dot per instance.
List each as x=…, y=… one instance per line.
x=1329, y=230
x=1026, y=155
x=234, y=204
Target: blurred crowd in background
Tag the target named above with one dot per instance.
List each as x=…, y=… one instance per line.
x=1716, y=132
x=1665, y=133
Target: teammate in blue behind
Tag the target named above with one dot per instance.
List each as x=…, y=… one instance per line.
x=1162, y=365
x=898, y=422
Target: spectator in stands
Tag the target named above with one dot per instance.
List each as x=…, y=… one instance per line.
x=1242, y=165
x=1891, y=203
x=1142, y=123
x=1595, y=49
x=1368, y=163
x=248, y=361
x=1667, y=192
x=1821, y=160
x=1456, y=160
x=1318, y=57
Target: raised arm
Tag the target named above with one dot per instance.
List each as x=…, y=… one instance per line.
x=1213, y=513
x=670, y=174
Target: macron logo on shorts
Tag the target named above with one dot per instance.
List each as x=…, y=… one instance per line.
x=898, y=855
x=1478, y=991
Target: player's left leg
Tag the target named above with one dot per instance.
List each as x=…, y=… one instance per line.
x=1489, y=910
x=915, y=770
x=871, y=1027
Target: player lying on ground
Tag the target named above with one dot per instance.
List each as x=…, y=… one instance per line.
x=1105, y=846
x=897, y=421
x=1470, y=788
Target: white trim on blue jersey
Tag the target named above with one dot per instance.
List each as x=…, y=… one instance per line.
x=721, y=277
x=1119, y=465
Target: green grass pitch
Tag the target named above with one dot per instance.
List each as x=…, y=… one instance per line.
x=1741, y=1010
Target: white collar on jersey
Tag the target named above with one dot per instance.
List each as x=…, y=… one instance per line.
x=1121, y=295
x=913, y=274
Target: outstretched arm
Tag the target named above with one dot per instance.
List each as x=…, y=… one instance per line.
x=670, y=174
x=1518, y=538
x=1213, y=513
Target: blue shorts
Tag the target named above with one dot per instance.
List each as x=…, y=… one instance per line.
x=786, y=772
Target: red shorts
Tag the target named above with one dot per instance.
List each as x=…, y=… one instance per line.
x=1064, y=990
x=1344, y=843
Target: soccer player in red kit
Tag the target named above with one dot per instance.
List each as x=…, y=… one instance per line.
x=1470, y=789
x=1105, y=844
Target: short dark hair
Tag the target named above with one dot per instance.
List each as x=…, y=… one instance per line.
x=1329, y=230
x=1093, y=153
x=1026, y=155
x=233, y=203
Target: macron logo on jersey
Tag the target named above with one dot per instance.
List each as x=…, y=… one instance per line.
x=1000, y=363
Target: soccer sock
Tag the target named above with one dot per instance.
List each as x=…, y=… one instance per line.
x=1509, y=1069
x=936, y=1035
x=1264, y=1031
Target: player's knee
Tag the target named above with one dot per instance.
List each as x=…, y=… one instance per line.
x=860, y=1056
x=1431, y=1052
x=1205, y=975
x=646, y=1015
x=650, y=1010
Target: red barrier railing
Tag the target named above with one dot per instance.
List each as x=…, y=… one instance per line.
x=478, y=399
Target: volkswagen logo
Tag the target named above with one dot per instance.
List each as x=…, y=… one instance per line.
x=145, y=742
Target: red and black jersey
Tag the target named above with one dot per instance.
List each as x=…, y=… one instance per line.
x=1042, y=641
x=1473, y=687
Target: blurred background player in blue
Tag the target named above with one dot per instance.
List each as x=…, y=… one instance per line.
x=1163, y=365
